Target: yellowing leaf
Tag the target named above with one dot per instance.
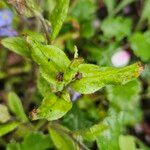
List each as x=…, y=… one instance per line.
x=127, y=142
x=4, y=114
x=94, y=78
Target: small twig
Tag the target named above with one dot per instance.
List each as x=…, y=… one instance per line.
x=38, y=16
x=45, y=27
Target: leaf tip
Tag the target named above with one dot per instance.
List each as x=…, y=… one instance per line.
x=141, y=67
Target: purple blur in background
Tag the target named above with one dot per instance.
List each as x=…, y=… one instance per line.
x=73, y=94
x=6, y=17
x=7, y=31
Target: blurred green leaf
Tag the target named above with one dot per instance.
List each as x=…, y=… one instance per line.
x=87, y=30
x=4, y=114
x=109, y=139
x=58, y=16
x=127, y=142
x=77, y=119
x=140, y=44
x=17, y=45
x=121, y=27
x=92, y=133
x=62, y=140
x=8, y=127
x=16, y=107
x=13, y=146
x=81, y=11
x=94, y=78
x=142, y=145
x=110, y=6
x=146, y=10
x=36, y=141
x=127, y=92
x=53, y=107
x=97, y=53
x=126, y=98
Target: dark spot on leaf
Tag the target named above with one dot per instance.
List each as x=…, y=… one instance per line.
x=60, y=76
x=58, y=94
x=49, y=59
x=78, y=76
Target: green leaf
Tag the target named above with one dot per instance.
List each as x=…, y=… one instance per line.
x=142, y=145
x=61, y=140
x=36, y=141
x=94, y=78
x=126, y=98
x=81, y=11
x=43, y=86
x=17, y=45
x=52, y=62
x=146, y=10
x=140, y=44
x=109, y=139
x=53, y=107
x=91, y=133
x=77, y=119
x=72, y=70
x=6, y=128
x=16, y=107
x=124, y=93
x=13, y=146
x=127, y=142
x=46, y=55
x=121, y=27
x=87, y=30
x=4, y=114
x=58, y=16
x=110, y=6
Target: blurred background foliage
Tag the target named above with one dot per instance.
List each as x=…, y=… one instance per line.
x=107, y=33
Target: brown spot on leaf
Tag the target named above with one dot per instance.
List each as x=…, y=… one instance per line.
x=78, y=76
x=33, y=114
x=141, y=67
x=59, y=76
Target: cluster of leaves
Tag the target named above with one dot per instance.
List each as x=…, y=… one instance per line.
x=57, y=121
